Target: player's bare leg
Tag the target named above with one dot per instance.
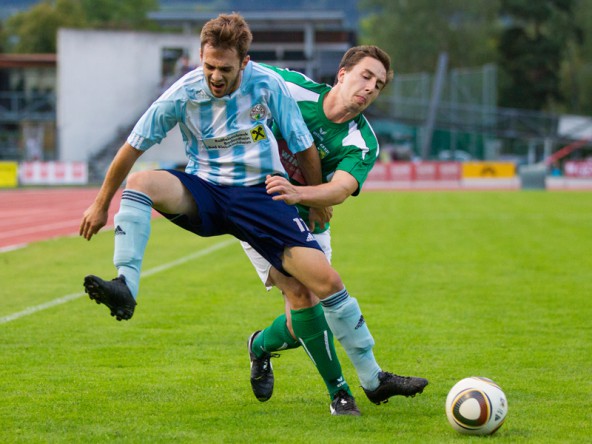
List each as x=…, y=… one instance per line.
x=311, y=330
x=345, y=319
x=144, y=190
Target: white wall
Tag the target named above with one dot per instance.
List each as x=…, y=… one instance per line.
x=106, y=80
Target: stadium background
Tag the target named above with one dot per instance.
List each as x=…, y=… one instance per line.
x=49, y=114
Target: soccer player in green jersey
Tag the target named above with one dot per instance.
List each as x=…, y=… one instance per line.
x=348, y=150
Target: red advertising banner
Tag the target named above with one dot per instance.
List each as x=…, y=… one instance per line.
x=53, y=173
x=415, y=171
x=401, y=171
x=449, y=170
x=581, y=168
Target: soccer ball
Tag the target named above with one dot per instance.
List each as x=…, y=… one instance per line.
x=476, y=406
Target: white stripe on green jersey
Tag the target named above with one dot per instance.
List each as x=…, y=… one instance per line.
x=227, y=140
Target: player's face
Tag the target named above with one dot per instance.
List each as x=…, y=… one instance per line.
x=362, y=84
x=222, y=69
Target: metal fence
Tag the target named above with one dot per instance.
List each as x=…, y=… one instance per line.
x=467, y=106
x=18, y=106
x=19, y=112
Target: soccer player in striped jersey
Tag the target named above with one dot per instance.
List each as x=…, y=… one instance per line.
x=222, y=109
x=348, y=149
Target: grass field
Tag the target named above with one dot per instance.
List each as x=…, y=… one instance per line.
x=452, y=284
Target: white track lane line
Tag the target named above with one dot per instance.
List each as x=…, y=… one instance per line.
x=70, y=297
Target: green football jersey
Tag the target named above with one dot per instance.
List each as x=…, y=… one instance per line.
x=349, y=146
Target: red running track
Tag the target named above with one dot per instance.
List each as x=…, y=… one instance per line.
x=32, y=215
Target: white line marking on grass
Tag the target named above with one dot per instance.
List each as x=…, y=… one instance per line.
x=30, y=310
x=12, y=248
x=36, y=308
x=38, y=229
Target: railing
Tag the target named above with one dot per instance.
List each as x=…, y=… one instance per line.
x=17, y=106
x=499, y=122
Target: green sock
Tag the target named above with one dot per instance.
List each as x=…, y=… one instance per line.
x=311, y=328
x=274, y=338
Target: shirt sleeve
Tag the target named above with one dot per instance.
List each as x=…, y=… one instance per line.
x=153, y=126
x=359, y=155
x=288, y=118
x=358, y=168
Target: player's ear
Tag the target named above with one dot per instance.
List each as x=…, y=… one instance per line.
x=245, y=61
x=340, y=75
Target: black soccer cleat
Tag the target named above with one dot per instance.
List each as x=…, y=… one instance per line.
x=115, y=294
x=344, y=404
x=392, y=385
x=262, y=379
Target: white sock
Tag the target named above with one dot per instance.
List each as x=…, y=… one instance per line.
x=132, y=230
x=345, y=318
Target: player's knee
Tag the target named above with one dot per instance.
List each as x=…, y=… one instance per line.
x=330, y=285
x=139, y=181
x=299, y=296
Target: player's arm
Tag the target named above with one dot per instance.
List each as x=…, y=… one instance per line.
x=309, y=163
x=290, y=122
x=341, y=186
x=95, y=217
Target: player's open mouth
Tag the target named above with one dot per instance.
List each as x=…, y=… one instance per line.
x=217, y=87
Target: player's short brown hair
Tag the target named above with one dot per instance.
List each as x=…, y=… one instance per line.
x=227, y=31
x=353, y=56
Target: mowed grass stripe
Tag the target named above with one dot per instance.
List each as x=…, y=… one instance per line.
x=158, y=269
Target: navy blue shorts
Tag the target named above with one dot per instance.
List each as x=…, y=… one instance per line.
x=248, y=213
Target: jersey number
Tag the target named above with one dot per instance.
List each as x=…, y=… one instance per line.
x=301, y=225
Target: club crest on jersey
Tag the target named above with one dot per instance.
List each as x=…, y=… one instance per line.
x=258, y=112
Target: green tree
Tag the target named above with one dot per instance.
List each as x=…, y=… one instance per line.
x=576, y=78
x=414, y=32
x=117, y=14
x=532, y=50
x=35, y=30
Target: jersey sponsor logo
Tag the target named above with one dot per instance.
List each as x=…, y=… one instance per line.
x=319, y=136
x=290, y=162
x=323, y=150
x=258, y=112
x=243, y=137
x=320, y=133
x=258, y=133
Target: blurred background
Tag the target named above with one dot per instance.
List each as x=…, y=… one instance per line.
x=481, y=89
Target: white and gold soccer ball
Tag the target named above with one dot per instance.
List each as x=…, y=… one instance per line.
x=476, y=406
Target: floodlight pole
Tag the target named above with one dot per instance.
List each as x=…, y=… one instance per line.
x=434, y=103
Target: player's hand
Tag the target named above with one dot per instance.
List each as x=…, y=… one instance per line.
x=93, y=219
x=282, y=189
x=319, y=215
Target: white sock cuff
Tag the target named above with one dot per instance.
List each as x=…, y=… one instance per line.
x=335, y=300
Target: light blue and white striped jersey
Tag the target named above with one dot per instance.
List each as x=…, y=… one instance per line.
x=227, y=140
